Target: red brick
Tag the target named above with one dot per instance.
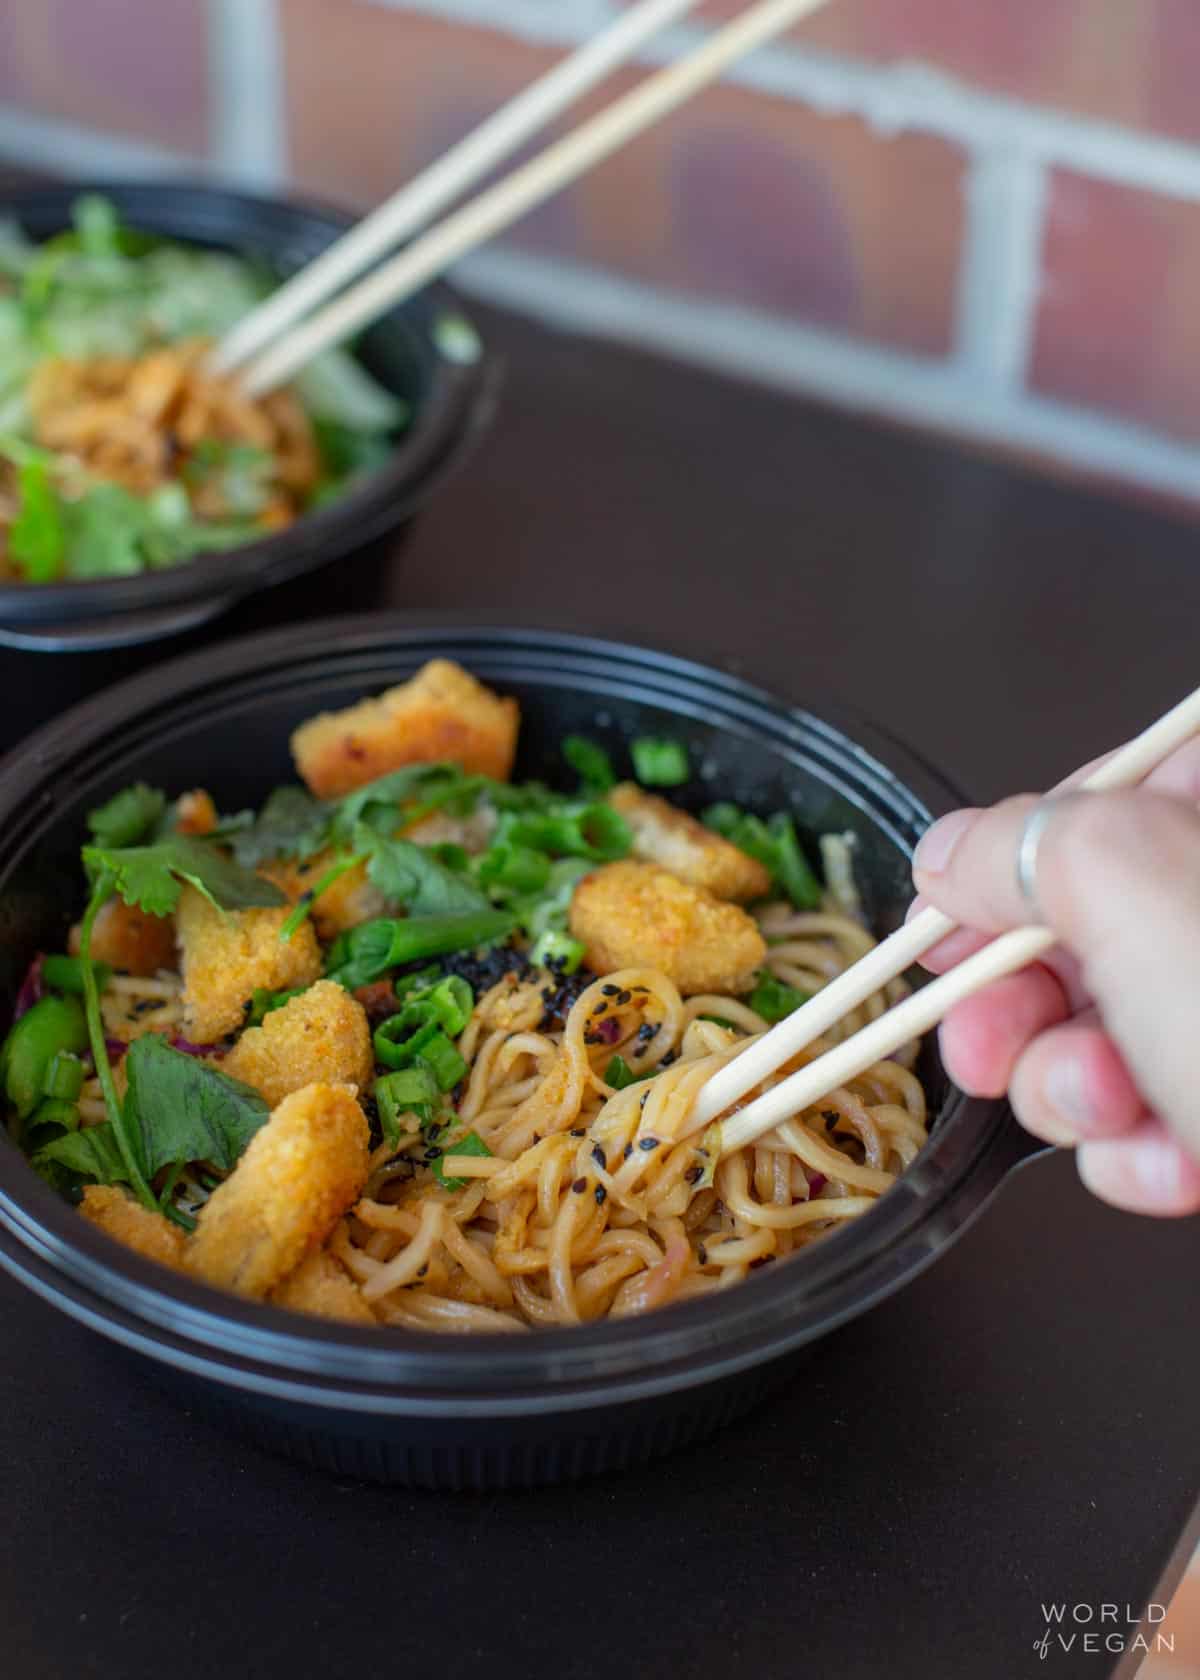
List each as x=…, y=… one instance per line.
x=1117, y=325
x=1135, y=62
x=130, y=67
x=739, y=197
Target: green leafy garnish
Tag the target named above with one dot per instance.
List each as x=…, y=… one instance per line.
x=471, y=1144
x=412, y=876
x=151, y=877
x=291, y=824
x=365, y=952
x=177, y=1110
x=591, y=762
x=619, y=1074
x=659, y=762
x=776, y=847
x=773, y=999
x=129, y=816
x=37, y=539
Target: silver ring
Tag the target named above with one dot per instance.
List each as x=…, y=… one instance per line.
x=1032, y=835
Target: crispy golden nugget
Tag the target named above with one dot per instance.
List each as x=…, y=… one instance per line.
x=225, y=954
x=441, y=713
x=636, y=915
x=129, y=940
x=322, y=1035
x=151, y=1234
x=195, y=813
x=322, y=1285
x=299, y=1174
x=351, y=899
x=665, y=835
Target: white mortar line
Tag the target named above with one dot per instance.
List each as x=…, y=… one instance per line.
x=894, y=97
x=795, y=358
x=554, y=22
x=246, y=125
x=1000, y=266
x=64, y=148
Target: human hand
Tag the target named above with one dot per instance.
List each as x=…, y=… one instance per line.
x=1098, y=1046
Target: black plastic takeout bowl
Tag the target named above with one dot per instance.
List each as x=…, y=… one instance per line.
x=428, y=352
x=473, y=1411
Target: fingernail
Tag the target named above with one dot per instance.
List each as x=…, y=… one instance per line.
x=1156, y=1167
x=936, y=846
x=1065, y=1090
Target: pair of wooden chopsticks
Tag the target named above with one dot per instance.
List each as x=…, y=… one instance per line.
x=919, y=1013
x=274, y=341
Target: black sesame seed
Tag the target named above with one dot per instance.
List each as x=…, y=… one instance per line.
x=579, y=1186
x=648, y=1030
x=599, y=1156
x=307, y=896
x=694, y=1174
x=648, y=1143
x=601, y=1195
x=434, y=1154
x=671, y=1056
x=627, y=1152
x=610, y=991
x=624, y=997
x=421, y=1270
x=577, y=1131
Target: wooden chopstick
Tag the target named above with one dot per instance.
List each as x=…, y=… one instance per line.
x=460, y=168
x=919, y=1013
x=519, y=192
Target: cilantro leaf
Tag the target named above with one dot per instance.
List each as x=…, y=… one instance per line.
x=410, y=875
x=129, y=816
x=150, y=877
x=430, y=785
x=91, y=1155
x=291, y=824
x=180, y=1109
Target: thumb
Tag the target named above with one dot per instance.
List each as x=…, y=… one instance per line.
x=1118, y=881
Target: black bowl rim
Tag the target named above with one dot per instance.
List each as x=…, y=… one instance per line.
x=461, y=403
x=385, y=1370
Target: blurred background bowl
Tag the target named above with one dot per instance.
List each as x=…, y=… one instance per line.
x=427, y=352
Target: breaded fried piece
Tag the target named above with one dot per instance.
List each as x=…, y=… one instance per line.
x=322, y=1285
x=195, y=813
x=126, y=1220
x=321, y=1035
x=350, y=900
x=665, y=835
x=441, y=713
x=300, y=1173
x=225, y=954
x=128, y=939
x=636, y=915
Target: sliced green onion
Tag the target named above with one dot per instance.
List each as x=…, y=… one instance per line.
x=591, y=762
x=557, y=950
x=471, y=1144
x=398, y=1040
x=659, y=762
x=443, y=1061
x=792, y=868
x=65, y=974
x=519, y=867
x=437, y=936
x=773, y=999
x=593, y=831
x=451, y=1001
x=64, y=1077
x=394, y=1099
x=303, y=906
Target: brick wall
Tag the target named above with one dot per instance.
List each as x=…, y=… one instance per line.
x=978, y=216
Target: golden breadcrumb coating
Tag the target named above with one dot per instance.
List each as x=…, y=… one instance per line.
x=322, y=1285
x=195, y=813
x=441, y=713
x=150, y=1234
x=225, y=954
x=128, y=939
x=322, y=1035
x=350, y=900
x=636, y=915
x=672, y=838
x=299, y=1174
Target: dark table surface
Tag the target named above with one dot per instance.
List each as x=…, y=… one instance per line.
x=1017, y=1427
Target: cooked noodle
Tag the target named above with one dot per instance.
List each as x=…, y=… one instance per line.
x=593, y=1202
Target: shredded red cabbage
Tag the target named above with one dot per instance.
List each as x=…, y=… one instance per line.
x=187, y=1048
x=605, y=1032
x=816, y=1184
x=32, y=990
x=116, y=1047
